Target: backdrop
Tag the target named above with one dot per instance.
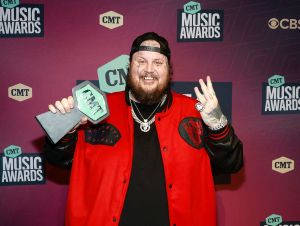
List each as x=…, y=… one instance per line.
x=251, y=49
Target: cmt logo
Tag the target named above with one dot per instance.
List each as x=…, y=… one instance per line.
x=192, y=7
x=10, y=3
x=12, y=151
x=273, y=220
x=111, y=20
x=286, y=24
x=283, y=165
x=20, y=92
x=276, y=81
x=112, y=75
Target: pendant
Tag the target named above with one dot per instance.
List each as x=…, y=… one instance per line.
x=145, y=126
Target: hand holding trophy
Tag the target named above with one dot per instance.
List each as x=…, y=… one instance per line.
x=88, y=101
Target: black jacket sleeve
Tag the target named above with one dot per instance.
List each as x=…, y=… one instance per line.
x=61, y=154
x=225, y=149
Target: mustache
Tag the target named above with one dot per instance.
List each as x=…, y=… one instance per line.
x=149, y=74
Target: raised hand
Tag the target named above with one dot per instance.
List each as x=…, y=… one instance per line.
x=208, y=106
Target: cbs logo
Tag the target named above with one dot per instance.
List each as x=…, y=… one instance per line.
x=284, y=23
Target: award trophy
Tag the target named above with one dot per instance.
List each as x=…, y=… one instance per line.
x=88, y=101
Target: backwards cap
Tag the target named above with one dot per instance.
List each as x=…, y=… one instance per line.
x=163, y=49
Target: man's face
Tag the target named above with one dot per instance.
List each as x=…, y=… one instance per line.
x=148, y=74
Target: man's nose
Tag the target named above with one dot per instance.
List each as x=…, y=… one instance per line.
x=149, y=67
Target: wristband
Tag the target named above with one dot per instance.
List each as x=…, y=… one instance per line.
x=221, y=124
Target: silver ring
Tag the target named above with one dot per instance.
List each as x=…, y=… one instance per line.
x=199, y=106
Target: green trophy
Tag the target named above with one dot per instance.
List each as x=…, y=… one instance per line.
x=89, y=101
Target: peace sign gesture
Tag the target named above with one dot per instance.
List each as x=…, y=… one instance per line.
x=208, y=106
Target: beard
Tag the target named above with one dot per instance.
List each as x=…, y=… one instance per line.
x=148, y=96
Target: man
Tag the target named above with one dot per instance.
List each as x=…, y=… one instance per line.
x=150, y=162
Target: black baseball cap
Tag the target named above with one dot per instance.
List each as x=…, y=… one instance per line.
x=163, y=49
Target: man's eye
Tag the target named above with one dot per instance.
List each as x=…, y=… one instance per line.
x=141, y=61
x=158, y=63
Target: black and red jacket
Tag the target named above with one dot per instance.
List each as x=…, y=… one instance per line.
x=101, y=166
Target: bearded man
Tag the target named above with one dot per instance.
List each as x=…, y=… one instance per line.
x=150, y=162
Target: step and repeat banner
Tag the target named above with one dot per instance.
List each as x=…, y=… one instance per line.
x=251, y=50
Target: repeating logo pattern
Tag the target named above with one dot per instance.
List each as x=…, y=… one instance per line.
x=20, y=92
x=277, y=220
x=112, y=75
x=197, y=24
x=25, y=20
x=283, y=165
x=111, y=20
x=17, y=168
x=279, y=97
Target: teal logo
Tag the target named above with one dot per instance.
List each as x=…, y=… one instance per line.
x=12, y=151
x=10, y=3
x=197, y=24
x=112, y=75
x=91, y=102
x=276, y=81
x=192, y=7
x=27, y=168
x=273, y=220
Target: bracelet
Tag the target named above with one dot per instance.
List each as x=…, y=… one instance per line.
x=221, y=124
